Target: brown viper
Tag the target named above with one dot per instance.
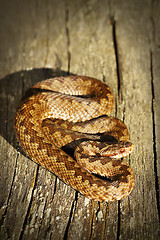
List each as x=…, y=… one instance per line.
x=63, y=124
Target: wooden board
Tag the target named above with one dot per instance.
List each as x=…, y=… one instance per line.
x=117, y=42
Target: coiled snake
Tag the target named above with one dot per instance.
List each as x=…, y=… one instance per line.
x=63, y=124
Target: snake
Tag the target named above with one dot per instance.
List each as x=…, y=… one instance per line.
x=64, y=125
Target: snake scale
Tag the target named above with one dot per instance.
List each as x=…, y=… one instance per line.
x=63, y=124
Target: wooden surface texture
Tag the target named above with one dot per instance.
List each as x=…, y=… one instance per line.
x=116, y=41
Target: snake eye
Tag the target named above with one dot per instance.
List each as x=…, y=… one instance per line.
x=122, y=150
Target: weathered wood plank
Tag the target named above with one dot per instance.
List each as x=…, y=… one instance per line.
x=29, y=48
x=96, y=58
x=134, y=30
x=155, y=67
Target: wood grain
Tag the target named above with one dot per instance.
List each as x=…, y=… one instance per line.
x=117, y=42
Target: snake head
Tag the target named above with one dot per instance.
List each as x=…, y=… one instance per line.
x=116, y=150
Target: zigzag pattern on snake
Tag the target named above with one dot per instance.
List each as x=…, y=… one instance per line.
x=63, y=124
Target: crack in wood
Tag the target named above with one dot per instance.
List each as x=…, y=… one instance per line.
x=94, y=217
x=154, y=137
x=10, y=191
x=104, y=78
x=120, y=96
x=91, y=231
x=115, y=43
x=55, y=188
x=73, y=209
x=30, y=204
x=98, y=210
x=119, y=221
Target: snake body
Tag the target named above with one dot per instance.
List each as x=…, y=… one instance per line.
x=63, y=124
